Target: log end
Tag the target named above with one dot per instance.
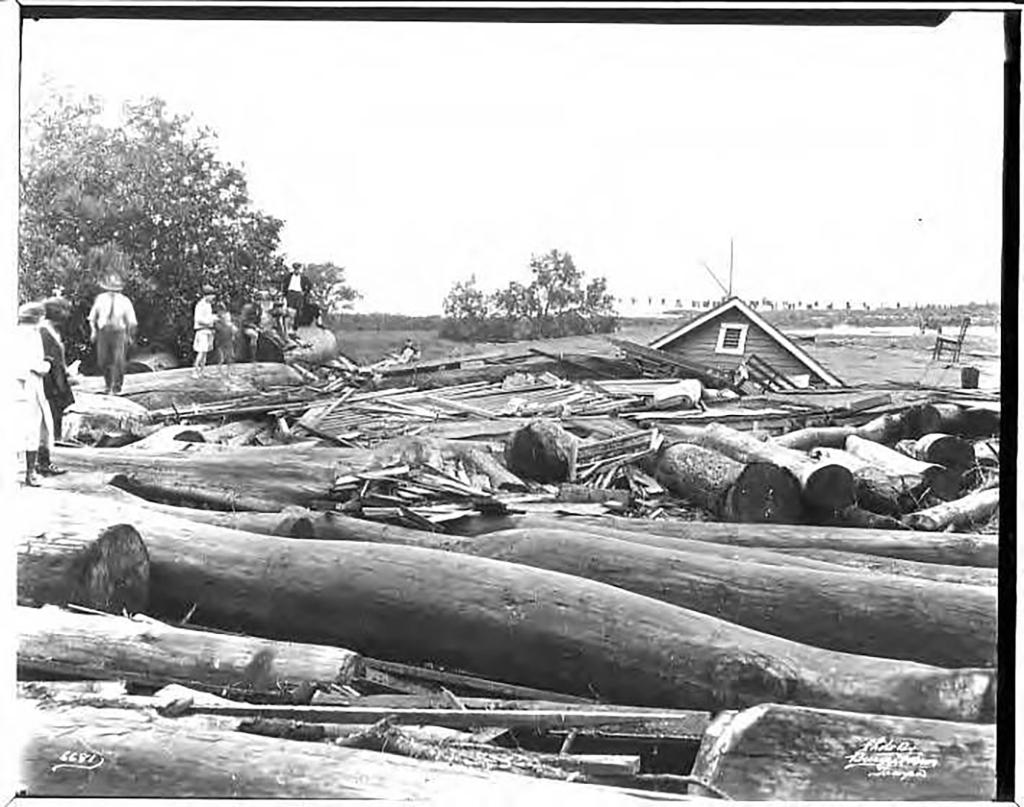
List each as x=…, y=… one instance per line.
x=543, y=451
x=765, y=494
x=829, y=486
x=116, y=572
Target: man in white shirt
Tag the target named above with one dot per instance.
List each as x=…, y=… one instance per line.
x=203, y=321
x=112, y=327
x=295, y=287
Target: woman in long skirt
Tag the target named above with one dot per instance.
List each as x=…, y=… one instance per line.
x=31, y=365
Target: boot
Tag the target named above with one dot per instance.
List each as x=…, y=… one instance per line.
x=44, y=466
x=31, y=480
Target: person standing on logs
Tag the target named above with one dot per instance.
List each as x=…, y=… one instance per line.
x=203, y=321
x=112, y=327
x=295, y=287
x=56, y=387
x=30, y=368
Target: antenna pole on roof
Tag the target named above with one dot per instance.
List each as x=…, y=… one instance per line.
x=730, y=266
x=714, y=276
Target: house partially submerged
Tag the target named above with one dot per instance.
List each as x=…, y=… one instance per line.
x=734, y=334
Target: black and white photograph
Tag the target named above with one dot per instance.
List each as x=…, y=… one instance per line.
x=510, y=402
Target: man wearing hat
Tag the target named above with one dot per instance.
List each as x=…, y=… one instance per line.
x=112, y=327
x=203, y=321
x=295, y=287
x=30, y=367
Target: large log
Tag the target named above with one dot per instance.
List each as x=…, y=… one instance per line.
x=180, y=388
x=940, y=573
x=967, y=421
x=93, y=415
x=54, y=641
x=869, y=614
x=64, y=558
x=731, y=490
x=973, y=509
x=316, y=346
x=512, y=622
x=792, y=754
x=874, y=489
x=543, y=451
x=943, y=482
x=824, y=485
x=942, y=449
x=265, y=477
x=883, y=429
x=926, y=547
x=131, y=753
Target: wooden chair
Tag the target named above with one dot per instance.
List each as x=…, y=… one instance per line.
x=951, y=345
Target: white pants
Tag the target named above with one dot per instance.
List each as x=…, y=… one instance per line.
x=34, y=415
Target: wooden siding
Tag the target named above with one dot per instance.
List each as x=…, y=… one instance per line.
x=699, y=346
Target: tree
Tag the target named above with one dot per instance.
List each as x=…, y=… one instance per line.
x=154, y=186
x=330, y=291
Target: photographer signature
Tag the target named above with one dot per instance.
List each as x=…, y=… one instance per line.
x=890, y=758
x=78, y=760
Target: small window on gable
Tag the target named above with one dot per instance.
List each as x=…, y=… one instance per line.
x=732, y=338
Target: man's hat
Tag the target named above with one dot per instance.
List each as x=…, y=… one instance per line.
x=296, y=265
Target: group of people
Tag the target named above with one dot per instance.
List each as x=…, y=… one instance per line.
x=43, y=387
x=273, y=317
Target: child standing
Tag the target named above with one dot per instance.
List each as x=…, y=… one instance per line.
x=224, y=331
x=203, y=321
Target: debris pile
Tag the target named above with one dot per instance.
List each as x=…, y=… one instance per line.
x=344, y=581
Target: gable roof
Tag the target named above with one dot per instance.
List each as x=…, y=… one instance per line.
x=736, y=304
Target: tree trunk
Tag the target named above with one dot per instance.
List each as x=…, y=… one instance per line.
x=268, y=478
x=953, y=452
x=54, y=641
x=969, y=422
x=958, y=550
x=756, y=491
x=943, y=482
x=876, y=490
x=940, y=573
x=512, y=623
x=65, y=558
x=317, y=346
x=793, y=754
x=883, y=429
x=92, y=416
x=824, y=485
x=180, y=388
x=83, y=751
x=973, y=509
x=171, y=438
x=869, y=614
x=543, y=451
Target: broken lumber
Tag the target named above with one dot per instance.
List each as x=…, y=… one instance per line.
x=108, y=752
x=53, y=641
x=511, y=622
x=734, y=491
x=66, y=558
x=975, y=508
x=791, y=754
x=824, y=484
x=943, y=482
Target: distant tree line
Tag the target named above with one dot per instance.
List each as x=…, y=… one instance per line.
x=557, y=301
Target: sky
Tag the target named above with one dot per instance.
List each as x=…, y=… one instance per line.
x=858, y=164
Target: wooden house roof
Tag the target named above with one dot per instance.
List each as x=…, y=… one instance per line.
x=734, y=304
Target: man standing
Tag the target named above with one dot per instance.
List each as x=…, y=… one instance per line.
x=295, y=288
x=112, y=327
x=56, y=386
x=30, y=368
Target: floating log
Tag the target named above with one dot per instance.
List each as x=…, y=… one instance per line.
x=943, y=482
x=926, y=547
x=124, y=753
x=868, y=614
x=64, y=558
x=941, y=449
x=543, y=451
x=975, y=508
x=824, y=485
x=149, y=652
x=512, y=622
x=734, y=491
x=180, y=388
x=940, y=573
x=792, y=754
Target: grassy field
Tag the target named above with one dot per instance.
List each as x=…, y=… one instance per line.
x=861, y=354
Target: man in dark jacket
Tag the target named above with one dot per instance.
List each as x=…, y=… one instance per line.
x=56, y=387
x=295, y=287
